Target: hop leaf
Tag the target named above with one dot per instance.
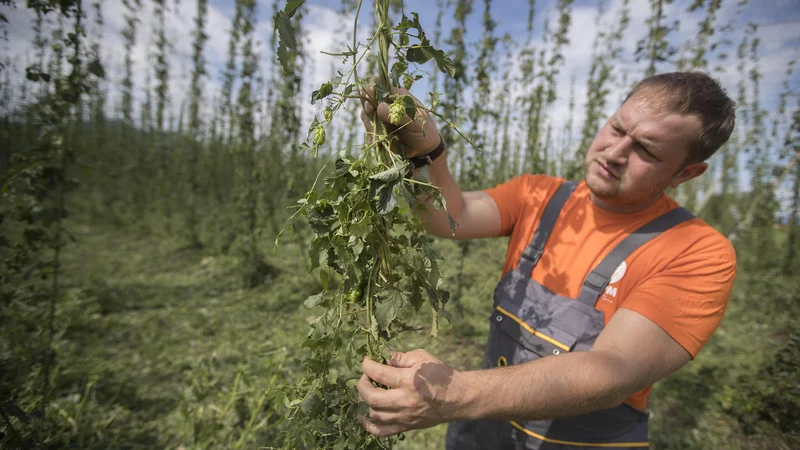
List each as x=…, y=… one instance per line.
x=388, y=175
x=96, y=69
x=396, y=112
x=286, y=38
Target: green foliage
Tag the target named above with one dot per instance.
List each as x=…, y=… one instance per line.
x=655, y=48
x=741, y=392
x=770, y=397
x=248, y=176
x=129, y=34
x=212, y=415
x=283, y=25
x=195, y=99
x=33, y=207
x=792, y=259
x=455, y=85
x=161, y=65
x=376, y=266
x=540, y=85
x=480, y=114
x=605, y=52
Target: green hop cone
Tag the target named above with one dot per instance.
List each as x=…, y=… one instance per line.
x=328, y=114
x=319, y=135
x=353, y=296
x=403, y=39
x=396, y=112
x=408, y=80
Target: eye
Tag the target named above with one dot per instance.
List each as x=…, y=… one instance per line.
x=644, y=151
x=616, y=131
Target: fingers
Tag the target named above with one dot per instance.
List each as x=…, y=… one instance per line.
x=409, y=359
x=410, y=138
x=384, y=420
x=366, y=121
x=368, y=94
x=369, y=104
x=385, y=417
x=381, y=399
x=368, y=99
x=383, y=114
x=381, y=373
x=380, y=430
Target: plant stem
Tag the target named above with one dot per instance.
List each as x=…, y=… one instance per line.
x=355, y=41
x=384, y=82
x=370, y=291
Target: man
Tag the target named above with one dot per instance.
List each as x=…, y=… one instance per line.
x=608, y=286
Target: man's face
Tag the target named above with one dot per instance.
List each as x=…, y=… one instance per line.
x=638, y=154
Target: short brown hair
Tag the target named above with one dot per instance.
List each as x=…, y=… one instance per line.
x=694, y=93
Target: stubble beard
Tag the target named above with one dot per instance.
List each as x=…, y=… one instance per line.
x=609, y=191
x=602, y=189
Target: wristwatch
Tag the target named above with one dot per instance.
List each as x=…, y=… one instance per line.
x=420, y=161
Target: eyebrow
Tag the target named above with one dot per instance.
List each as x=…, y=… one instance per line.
x=616, y=122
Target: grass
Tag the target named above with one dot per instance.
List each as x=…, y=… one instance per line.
x=162, y=348
x=145, y=315
x=147, y=319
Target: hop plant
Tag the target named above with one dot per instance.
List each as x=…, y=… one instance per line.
x=408, y=81
x=396, y=112
x=319, y=135
x=386, y=268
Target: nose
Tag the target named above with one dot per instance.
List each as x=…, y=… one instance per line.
x=617, y=153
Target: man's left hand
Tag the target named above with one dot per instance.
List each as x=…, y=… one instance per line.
x=421, y=393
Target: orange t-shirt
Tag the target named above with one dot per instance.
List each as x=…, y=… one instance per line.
x=680, y=280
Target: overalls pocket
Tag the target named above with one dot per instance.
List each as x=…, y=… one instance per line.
x=543, y=324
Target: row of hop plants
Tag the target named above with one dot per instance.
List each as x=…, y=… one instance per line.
x=162, y=172
x=33, y=212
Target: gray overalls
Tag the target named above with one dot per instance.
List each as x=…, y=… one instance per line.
x=530, y=322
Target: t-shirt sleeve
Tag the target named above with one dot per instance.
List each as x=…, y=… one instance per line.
x=513, y=196
x=689, y=297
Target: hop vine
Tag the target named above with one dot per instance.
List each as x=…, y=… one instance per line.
x=375, y=264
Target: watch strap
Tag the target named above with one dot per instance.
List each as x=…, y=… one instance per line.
x=420, y=161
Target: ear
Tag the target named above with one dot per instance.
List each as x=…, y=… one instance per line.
x=692, y=170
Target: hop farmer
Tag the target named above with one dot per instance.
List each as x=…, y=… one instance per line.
x=608, y=284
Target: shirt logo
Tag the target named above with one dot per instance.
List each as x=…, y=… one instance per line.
x=619, y=273
x=611, y=291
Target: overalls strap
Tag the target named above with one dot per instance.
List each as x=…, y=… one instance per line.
x=598, y=279
x=534, y=250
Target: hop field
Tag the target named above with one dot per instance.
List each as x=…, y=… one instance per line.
x=199, y=241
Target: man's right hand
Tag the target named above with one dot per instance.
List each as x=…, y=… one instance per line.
x=476, y=213
x=416, y=137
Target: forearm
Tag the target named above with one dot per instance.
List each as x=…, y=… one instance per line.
x=435, y=220
x=556, y=386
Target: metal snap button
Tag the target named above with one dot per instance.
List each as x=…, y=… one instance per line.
x=556, y=351
x=499, y=318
